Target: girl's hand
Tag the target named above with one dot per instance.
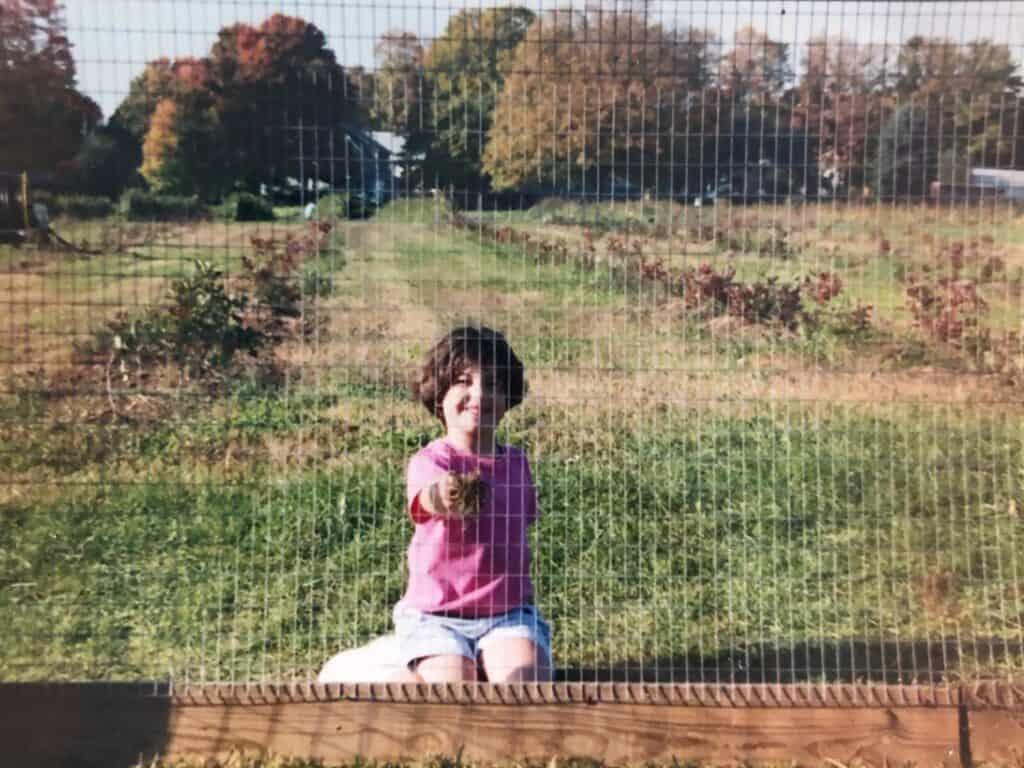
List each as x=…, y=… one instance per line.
x=461, y=496
x=448, y=493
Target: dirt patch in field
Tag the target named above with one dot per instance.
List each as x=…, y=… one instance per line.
x=736, y=391
x=222, y=235
x=33, y=337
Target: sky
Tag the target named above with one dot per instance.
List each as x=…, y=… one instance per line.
x=113, y=39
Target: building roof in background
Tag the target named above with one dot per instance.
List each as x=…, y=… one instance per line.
x=390, y=140
x=999, y=176
x=366, y=139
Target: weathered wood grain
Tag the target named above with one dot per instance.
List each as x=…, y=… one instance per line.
x=116, y=725
x=996, y=736
x=611, y=732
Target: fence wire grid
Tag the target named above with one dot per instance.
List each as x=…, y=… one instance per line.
x=763, y=263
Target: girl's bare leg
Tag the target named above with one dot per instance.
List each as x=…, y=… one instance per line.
x=515, y=660
x=449, y=668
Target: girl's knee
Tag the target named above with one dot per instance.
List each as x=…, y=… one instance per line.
x=516, y=660
x=446, y=669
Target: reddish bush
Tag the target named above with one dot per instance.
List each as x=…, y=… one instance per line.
x=947, y=310
x=825, y=287
x=274, y=267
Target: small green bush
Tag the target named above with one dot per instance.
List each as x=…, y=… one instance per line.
x=82, y=206
x=340, y=205
x=201, y=329
x=139, y=205
x=318, y=276
x=253, y=208
x=245, y=206
x=332, y=207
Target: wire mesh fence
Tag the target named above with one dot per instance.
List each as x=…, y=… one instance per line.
x=763, y=263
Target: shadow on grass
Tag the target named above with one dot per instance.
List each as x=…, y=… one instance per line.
x=853, y=661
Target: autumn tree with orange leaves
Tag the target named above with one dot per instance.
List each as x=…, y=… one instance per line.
x=268, y=102
x=43, y=116
x=597, y=94
x=160, y=144
x=281, y=96
x=181, y=152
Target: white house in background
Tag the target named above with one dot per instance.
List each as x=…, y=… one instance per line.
x=393, y=143
x=1009, y=183
x=401, y=163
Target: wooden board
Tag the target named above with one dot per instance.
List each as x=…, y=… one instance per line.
x=996, y=736
x=81, y=725
x=338, y=731
x=104, y=725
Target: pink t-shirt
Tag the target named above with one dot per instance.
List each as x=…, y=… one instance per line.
x=475, y=567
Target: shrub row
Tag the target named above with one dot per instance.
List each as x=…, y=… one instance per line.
x=705, y=291
x=140, y=205
x=76, y=206
x=206, y=321
x=245, y=206
x=340, y=205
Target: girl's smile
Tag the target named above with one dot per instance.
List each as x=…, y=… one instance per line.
x=473, y=406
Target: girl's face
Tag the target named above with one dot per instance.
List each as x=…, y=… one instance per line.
x=474, y=402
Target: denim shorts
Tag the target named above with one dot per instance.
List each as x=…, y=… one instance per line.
x=433, y=634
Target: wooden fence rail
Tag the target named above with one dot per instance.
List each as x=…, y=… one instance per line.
x=115, y=724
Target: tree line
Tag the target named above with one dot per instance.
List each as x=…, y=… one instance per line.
x=505, y=99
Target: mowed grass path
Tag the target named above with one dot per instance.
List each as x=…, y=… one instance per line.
x=701, y=520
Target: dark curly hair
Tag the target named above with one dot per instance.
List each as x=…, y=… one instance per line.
x=459, y=349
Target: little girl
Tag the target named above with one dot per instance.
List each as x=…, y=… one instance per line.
x=467, y=613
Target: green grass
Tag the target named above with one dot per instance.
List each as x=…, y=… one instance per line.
x=605, y=216
x=288, y=213
x=502, y=270
x=420, y=210
x=683, y=539
x=687, y=524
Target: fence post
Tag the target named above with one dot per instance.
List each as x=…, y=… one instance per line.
x=24, y=200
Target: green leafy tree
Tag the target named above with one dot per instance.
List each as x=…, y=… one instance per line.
x=398, y=92
x=970, y=96
x=934, y=66
x=359, y=100
x=465, y=74
x=102, y=166
x=43, y=117
x=155, y=83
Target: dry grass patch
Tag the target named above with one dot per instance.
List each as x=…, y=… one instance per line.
x=715, y=391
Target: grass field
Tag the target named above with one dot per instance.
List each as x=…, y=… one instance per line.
x=720, y=501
